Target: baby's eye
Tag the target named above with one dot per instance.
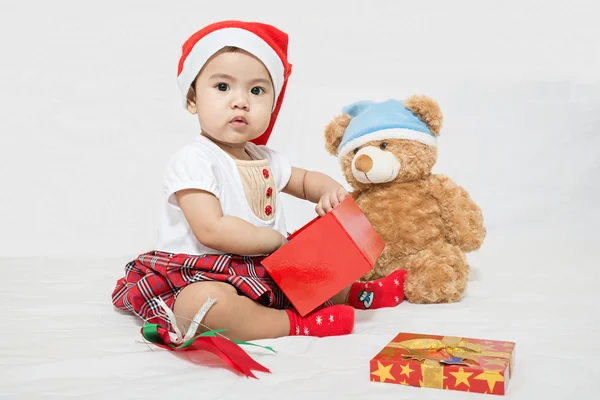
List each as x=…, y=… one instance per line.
x=257, y=90
x=222, y=87
x=383, y=145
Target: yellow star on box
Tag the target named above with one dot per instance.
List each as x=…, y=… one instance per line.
x=404, y=382
x=461, y=377
x=491, y=377
x=383, y=372
x=406, y=370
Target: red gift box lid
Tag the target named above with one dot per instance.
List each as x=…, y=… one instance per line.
x=324, y=256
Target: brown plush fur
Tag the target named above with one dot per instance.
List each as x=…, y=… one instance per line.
x=334, y=132
x=428, y=111
x=427, y=221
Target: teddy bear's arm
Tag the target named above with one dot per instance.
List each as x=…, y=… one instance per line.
x=462, y=218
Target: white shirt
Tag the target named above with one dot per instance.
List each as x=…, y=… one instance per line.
x=204, y=165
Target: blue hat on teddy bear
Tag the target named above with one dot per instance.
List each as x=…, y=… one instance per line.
x=382, y=120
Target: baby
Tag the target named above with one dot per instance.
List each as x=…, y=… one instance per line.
x=222, y=210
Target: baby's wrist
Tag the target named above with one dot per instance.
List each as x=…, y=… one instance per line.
x=279, y=241
x=271, y=239
x=283, y=240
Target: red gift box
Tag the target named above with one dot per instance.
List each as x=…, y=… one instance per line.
x=325, y=256
x=445, y=362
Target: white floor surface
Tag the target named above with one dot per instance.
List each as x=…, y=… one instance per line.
x=61, y=337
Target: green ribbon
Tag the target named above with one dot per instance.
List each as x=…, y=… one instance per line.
x=150, y=332
x=254, y=344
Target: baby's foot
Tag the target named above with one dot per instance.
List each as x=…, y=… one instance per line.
x=327, y=321
x=384, y=292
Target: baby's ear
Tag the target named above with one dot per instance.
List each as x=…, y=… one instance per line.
x=427, y=110
x=191, y=100
x=335, y=131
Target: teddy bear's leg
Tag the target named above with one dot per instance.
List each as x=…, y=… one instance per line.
x=371, y=275
x=385, y=265
x=437, y=274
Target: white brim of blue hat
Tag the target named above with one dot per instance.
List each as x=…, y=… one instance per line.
x=375, y=121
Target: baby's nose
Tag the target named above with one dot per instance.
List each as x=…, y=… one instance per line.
x=364, y=163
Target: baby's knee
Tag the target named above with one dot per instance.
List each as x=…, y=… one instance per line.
x=193, y=296
x=198, y=293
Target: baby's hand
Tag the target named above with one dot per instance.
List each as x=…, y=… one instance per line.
x=330, y=199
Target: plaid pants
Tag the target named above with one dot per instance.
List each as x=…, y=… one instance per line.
x=163, y=275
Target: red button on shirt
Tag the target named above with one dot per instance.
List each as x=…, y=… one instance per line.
x=268, y=210
x=266, y=173
x=269, y=192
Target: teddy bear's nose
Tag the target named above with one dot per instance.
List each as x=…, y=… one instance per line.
x=364, y=163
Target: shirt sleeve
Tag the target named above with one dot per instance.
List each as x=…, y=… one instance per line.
x=191, y=168
x=281, y=166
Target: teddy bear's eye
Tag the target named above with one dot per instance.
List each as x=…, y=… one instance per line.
x=383, y=145
x=356, y=150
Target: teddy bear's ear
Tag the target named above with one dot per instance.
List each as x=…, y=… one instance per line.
x=427, y=110
x=334, y=132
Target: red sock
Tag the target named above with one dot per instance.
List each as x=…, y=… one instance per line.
x=327, y=321
x=384, y=292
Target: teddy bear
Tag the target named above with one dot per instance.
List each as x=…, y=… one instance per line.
x=428, y=222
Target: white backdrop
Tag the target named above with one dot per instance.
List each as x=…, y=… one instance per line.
x=90, y=110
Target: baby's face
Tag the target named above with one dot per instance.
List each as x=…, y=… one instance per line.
x=234, y=97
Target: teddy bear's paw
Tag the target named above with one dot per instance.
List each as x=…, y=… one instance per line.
x=432, y=284
x=436, y=275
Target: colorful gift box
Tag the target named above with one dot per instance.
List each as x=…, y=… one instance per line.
x=445, y=362
x=324, y=256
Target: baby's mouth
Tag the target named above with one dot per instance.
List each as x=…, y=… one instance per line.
x=239, y=121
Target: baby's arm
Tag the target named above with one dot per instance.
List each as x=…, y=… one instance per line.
x=317, y=188
x=225, y=233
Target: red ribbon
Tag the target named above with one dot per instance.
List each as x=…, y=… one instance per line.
x=228, y=351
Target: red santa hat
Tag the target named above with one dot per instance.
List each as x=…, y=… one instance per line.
x=265, y=42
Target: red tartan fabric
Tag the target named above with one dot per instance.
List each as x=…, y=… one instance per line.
x=159, y=274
